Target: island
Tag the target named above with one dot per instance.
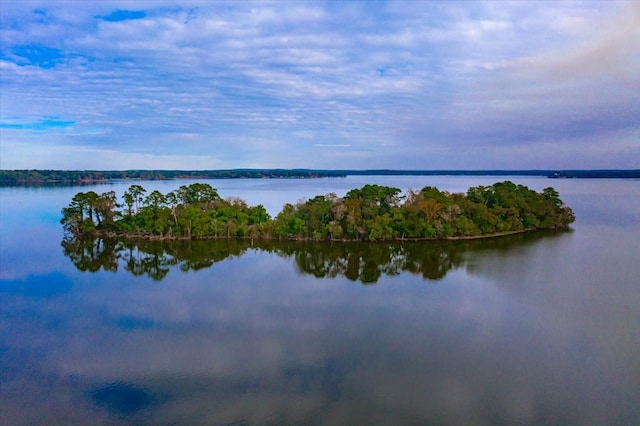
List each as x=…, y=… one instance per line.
x=370, y=213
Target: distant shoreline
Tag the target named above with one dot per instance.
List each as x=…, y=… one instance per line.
x=35, y=177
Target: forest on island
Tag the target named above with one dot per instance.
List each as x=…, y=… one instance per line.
x=370, y=213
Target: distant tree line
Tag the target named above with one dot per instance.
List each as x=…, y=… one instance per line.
x=370, y=213
x=79, y=177
x=596, y=174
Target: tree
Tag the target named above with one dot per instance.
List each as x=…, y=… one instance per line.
x=104, y=207
x=134, y=195
x=552, y=195
x=155, y=200
x=197, y=193
x=288, y=224
x=91, y=199
x=375, y=199
x=128, y=201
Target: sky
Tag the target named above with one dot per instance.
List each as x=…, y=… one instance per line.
x=114, y=85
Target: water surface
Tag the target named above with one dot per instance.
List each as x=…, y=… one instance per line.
x=529, y=329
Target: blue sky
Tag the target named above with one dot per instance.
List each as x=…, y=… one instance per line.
x=359, y=85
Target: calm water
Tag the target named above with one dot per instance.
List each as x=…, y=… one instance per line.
x=534, y=329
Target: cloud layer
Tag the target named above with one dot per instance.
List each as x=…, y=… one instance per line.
x=409, y=85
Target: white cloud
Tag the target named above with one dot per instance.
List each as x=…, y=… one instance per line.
x=403, y=74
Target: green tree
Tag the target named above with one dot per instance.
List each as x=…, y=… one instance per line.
x=134, y=196
x=104, y=207
x=372, y=212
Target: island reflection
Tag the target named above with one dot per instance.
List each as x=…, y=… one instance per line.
x=356, y=261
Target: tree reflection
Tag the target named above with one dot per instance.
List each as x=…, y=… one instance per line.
x=367, y=262
x=150, y=258
x=154, y=263
x=359, y=262
x=92, y=255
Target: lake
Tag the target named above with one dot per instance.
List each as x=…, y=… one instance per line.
x=529, y=329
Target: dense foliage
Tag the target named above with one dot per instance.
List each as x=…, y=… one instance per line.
x=370, y=213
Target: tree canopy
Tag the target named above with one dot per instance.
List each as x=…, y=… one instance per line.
x=370, y=213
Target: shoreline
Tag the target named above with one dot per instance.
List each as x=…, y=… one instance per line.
x=114, y=235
